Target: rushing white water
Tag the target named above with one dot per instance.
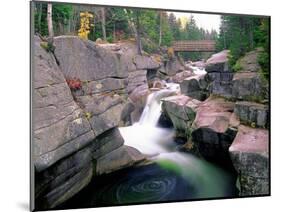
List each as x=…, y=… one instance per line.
x=198, y=71
x=145, y=135
x=158, y=143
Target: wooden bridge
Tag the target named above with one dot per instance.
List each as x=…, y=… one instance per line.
x=194, y=46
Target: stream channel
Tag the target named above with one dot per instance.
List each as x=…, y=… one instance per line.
x=170, y=176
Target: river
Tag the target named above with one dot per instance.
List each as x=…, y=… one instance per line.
x=171, y=175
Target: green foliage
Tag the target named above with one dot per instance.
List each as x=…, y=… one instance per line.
x=263, y=60
x=241, y=34
x=88, y=115
x=47, y=46
x=237, y=66
x=149, y=46
x=262, y=39
x=61, y=14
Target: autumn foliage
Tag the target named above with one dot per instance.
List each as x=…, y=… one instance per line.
x=85, y=25
x=74, y=84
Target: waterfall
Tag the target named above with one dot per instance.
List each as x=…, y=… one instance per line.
x=159, y=145
x=173, y=176
x=198, y=71
x=145, y=135
x=152, y=110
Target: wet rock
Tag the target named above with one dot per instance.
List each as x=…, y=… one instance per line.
x=172, y=67
x=179, y=77
x=138, y=98
x=159, y=84
x=63, y=180
x=181, y=110
x=249, y=86
x=218, y=62
x=106, y=143
x=249, y=153
x=135, y=79
x=221, y=83
x=120, y=158
x=195, y=87
x=252, y=113
x=126, y=114
x=212, y=130
x=200, y=64
x=219, y=75
x=146, y=62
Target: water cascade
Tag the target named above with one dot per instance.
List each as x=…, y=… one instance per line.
x=201, y=179
x=171, y=175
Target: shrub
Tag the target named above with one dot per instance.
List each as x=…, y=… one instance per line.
x=74, y=84
x=49, y=47
x=237, y=66
x=263, y=60
x=171, y=53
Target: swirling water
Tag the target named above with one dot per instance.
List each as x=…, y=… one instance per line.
x=173, y=176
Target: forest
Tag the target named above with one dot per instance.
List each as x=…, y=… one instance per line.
x=156, y=29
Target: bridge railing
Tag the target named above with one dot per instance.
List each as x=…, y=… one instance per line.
x=194, y=46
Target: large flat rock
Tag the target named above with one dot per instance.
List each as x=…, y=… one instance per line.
x=74, y=128
x=63, y=180
x=61, y=135
x=172, y=67
x=135, y=79
x=145, y=62
x=181, y=110
x=250, y=61
x=120, y=158
x=60, y=127
x=85, y=60
x=249, y=86
x=249, y=153
x=253, y=114
x=218, y=62
x=195, y=87
x=213, y=132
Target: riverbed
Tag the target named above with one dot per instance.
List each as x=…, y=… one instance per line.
x=168, y=175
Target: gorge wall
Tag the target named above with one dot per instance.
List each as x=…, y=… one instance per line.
x=223, y=116
x=82, y=93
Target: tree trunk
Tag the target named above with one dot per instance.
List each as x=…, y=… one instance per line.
x=50, y=21
x=251, y=35
x=114, y=33
x=103, y=23
x=139, y=47
x=160, y=29
x=39, y=17
x=135, y=30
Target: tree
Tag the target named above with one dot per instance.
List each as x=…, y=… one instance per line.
x=50, y=21
x=241, y=34
x=160, y=28
x=39, y=17
x=175, y=26
x=139, y=46
x=133, y=21
x=103, y=23
x=85, y=25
